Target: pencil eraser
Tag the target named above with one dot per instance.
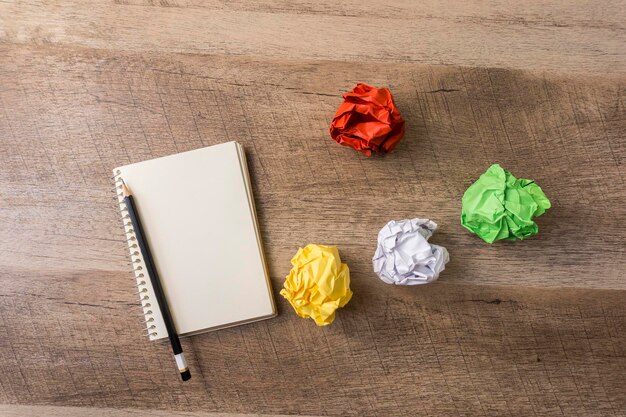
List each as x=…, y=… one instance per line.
x=186, y=375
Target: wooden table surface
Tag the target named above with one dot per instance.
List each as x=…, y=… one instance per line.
x=532, y=328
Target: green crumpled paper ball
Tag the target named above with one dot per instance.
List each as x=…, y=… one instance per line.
x=499, y=206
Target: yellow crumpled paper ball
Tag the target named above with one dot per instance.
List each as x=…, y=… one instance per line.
x=318, y=284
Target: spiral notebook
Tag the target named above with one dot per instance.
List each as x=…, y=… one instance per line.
x=199, y=220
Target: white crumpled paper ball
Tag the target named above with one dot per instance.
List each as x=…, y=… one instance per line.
x=404, y=256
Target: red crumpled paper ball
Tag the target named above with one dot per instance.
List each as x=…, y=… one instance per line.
x=368, y=120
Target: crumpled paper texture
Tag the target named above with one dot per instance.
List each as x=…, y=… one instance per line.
x=404, y=256
x=368, y=120
x=499, y=206
x=318, y=283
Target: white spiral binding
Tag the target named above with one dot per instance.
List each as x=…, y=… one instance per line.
x=141, y=276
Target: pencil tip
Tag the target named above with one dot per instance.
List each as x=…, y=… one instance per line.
x=125, y=189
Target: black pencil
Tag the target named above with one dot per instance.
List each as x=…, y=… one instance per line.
x=156, y=283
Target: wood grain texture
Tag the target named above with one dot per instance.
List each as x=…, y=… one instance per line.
x=534, y=328
x=438, y=350
x=57, y=411
x=68, y=116
x=561, y=35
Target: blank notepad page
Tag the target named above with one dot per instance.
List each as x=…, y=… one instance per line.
x=198, y=216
